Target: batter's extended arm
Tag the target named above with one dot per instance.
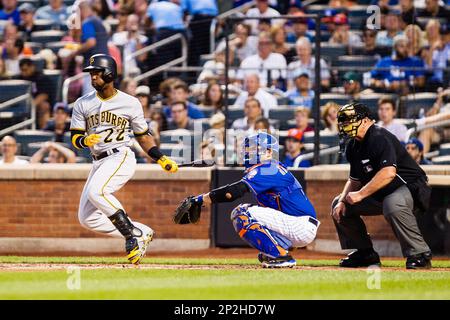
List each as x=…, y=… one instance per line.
x=147, y=142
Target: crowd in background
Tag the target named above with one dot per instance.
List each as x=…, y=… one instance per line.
x=271, y=60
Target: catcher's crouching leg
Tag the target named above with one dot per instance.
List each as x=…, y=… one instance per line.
x=257, y=235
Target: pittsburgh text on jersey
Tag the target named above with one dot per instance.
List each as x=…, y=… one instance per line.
x=107, y=117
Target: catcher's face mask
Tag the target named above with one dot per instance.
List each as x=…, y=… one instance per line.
x=255, y=146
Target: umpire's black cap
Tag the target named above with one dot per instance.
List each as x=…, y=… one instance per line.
x=105, y=63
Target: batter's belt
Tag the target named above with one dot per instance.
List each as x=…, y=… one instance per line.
x=105, y=154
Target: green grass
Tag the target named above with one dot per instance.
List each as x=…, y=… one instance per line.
x=132, y=283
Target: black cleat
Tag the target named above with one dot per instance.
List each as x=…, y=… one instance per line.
x=419, y=261
x=360, y=258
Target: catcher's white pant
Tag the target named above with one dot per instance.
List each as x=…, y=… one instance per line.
x=299, y=230
x=97, y=202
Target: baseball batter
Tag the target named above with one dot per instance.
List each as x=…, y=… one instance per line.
x=284, y=218
x=104, y=121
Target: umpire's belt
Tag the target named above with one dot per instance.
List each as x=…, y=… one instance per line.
x=105, y=154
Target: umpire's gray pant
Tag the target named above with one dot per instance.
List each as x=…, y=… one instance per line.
x=397, y=209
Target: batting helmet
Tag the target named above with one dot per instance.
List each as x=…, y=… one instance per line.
x=256, y=145
x=350, y=117
x=105, y=63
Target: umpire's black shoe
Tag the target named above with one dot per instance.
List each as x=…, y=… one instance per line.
x=361, y=258
x=419, y=261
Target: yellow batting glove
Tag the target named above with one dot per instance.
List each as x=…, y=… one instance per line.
x=92, y=139
x=168, y=164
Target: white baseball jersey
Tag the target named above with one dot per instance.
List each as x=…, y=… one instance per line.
x=115, y=119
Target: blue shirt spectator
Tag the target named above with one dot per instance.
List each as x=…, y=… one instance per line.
x=92, y=28
x=10, y=11
x=203, y=7
x=290, y=162
x=294, y=148
x=301, y=95
x=193, y=111
x=394, y=69
x=166, y=15
x=55, y=11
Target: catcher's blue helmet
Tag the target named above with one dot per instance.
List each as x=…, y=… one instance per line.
x=255, y=145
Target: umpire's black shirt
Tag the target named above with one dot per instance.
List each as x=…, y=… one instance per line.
x=377, y=150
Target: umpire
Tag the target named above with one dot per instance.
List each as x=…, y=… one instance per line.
x=384, y=179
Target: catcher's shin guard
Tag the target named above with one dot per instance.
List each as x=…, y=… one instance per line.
x=258, y=236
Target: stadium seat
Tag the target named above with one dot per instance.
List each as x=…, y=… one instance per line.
x=371, y=101
x=11, y=89
x=441, y=160
x=207, y=111
x=66, y=2
x=35, y=3
x=234, y=112
x=444, y=149
x=340, y=99
x=42, y=25
x=176, y=137
x=324, y=35
x=47, y=36
x=55, y=46
x=331, y=51
x=34, y=46
x=25, y=137
x=411, y=104
x=320, y=9
x=54, y=80
x=283, y=115
x=353, y=63
x=177, y=151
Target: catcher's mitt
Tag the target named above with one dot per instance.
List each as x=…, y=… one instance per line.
x=188, y=211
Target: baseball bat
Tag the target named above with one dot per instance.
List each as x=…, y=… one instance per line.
x=197, y=164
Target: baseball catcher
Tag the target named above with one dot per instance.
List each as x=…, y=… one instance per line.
x=284, y=218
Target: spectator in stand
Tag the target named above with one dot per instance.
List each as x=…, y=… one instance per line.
x=27, y=25
x=408, y=13
x=180, y=92
x=352, y=86
x=242, y=44
x=13, y=49
x=131, y=40
x=386, y=37
x=264, y=62
x=166, y=19
x=140, y=8
x=370, y=47
x=143, y=95
x=416, y=39
x=302, y=95
x=202, y=12
x=213, y=97
x=264, y=25
x=157, y=122
x=215, y=69
x=387, y=110
x=165, y=88
x=278, y=36
x=254, y=90
x=415, y=149
x=102, y=9
x=307, y=62
x=39, y=90
x=294, y=150
x=128, y=85
x=9, y=151
x=252, y=112
x=301, y=117
x=55, y=11
x=436, y=55
x=3, y=75
x=329, y=117
x=122, y=16
x=60, y=123
x=299, y=28
x=10, y=12
x=56, y=154
x=263, y=124
x=180, y=118
x=434, y=10
x=262, y=10
x=439, y=112
x=342, y=33
x=392, y=74
x=94, y=38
